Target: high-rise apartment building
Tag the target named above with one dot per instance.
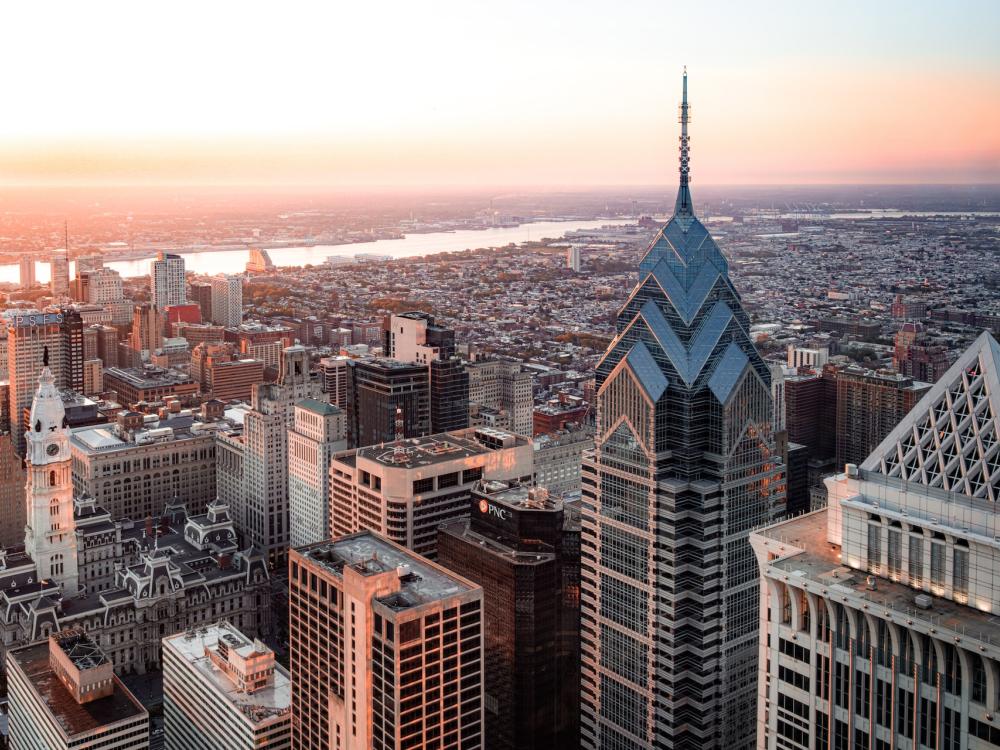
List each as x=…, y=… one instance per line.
x=684, y=467
x=166, y=281
x=200, y=293
x=573, y=260
x=405, y=490
x=318, y=431
x=915, y=357
x=869, y=404
x=386, y=649
x=64, y=694
x=227, y=300
x=523, y=548
x=812, y=358
x=333, y=371
x=223, y=690
x=27, y=269
x=59, y=281
x=146, y=335
x=502, y=386
x=377, y=388
x=878, y=613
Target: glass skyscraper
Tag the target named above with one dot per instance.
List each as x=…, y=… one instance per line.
x=684, y=467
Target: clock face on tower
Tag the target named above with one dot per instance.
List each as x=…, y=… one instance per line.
x=52, y=449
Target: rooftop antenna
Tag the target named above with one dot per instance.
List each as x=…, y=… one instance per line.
x=398, y=450
x=683, y=205
x=66, y=236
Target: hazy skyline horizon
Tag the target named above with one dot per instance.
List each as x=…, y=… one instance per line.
x=450, y=95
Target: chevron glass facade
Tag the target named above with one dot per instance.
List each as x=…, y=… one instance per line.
x=684, y=466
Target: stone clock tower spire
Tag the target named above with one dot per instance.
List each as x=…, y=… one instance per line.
x=50, y=534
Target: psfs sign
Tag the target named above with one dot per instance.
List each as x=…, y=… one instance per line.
x=37, y=319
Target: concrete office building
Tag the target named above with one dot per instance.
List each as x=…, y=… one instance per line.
x=33, y=339
x=146, y=335
x=405, y=490
x=559, y=460
x=227, y=300
x=333, y=371
x=64, y=694
x=148, y=384
x=501, y=386
x=878, y=613
x=59, y=265
x=139, y=465
x=377, y=388
x=102, y=286
x=399, y=641
x=523, y=548
x=166, y=281
x=222, y=689
x=262, y=512
x=806, y=357
x=318, y=431
x=684, y=466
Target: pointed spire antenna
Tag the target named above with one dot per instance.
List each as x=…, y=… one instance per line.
x=683, y=205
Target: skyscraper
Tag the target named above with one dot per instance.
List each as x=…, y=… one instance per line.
x=27, y=272
x=147, y=333
x=879, y=612
x=227, y=300
x=318, y=431
x=59, y=283
x=34, y=339
x=166, y=280
x=573, y=259
x=684, y=466
x=385, y=649
x=523, y=547
x=377, y=388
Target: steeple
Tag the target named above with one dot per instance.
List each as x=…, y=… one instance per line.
x=683, y=207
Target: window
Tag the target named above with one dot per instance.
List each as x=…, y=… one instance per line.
x=937, y=565
x=423, y=485
x=874, y=548
x=960, y=574
x=895, y=562
x=916, y=560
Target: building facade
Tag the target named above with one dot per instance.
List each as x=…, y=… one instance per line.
x=878, y=612
x=227, y=300
x=501, y=385
x=386, y=649
x=523, y=547
x=318, y=431
x=166, y=281
x=377, y=388
x=222, y=689
x=405, y=490
x=684, y=467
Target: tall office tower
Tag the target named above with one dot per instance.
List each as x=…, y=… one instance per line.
x=524, y=550
x=915, y=357
x=262, y=514
x=103, y=286
x=166, y=280
x=71, y=329
x=146, y=335
x=59, y=264
x=318, y=431
x=559, y=460
x=811, y=411
x=107, y=345
x=869, y=404
x=684, y=466
x=227, y=300
x=296, y=380
x=222, y=689
x=414, y=337
x=13, y=514
x=33, y=339
x=405, y=490
x=50, y=533
x=333, y=371
x=878, y=612
x=500, y=385
x=573, y=259
x=386, y=649
x=449, y=395
x=201, y=295
x=64, y=694
x=376, y=389
x=28, y=272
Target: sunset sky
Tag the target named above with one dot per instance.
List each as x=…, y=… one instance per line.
x=542, y=93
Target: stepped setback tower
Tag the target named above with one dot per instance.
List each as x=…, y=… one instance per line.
x=684, y=467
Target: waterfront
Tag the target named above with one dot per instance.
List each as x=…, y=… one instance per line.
x=211, y=262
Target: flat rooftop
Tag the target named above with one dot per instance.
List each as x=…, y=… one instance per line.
x=820, y=562
x=74, y=718
x=434, y=449
x=369, y=554
x=274, y=700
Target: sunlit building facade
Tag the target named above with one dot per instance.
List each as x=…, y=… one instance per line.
x=684, y=466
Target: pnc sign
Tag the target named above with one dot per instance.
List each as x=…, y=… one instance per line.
x=490, y=509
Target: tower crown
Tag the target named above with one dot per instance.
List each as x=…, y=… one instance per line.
x=47, y=426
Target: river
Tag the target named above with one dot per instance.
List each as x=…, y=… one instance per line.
x=233, y=261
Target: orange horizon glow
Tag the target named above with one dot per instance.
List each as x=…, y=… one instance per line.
x=529, y=97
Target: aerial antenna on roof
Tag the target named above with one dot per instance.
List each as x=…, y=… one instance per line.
x=683, y=205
